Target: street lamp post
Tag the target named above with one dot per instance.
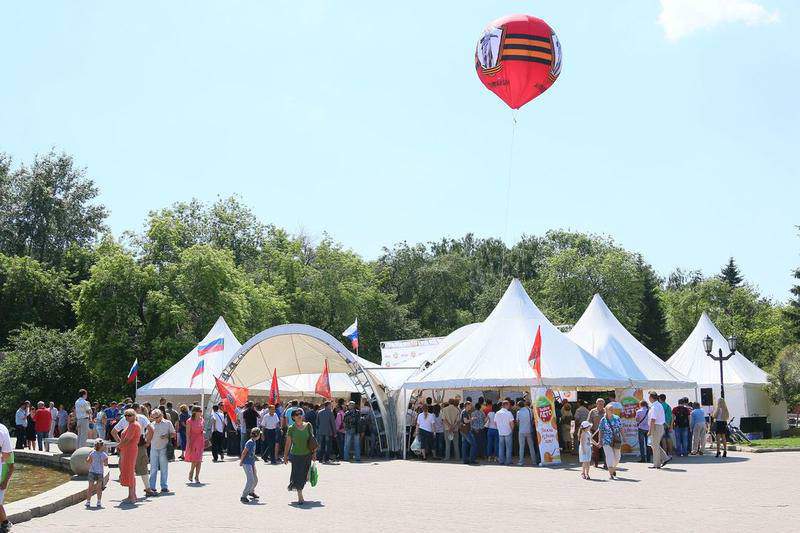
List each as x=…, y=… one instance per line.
x=708, y=344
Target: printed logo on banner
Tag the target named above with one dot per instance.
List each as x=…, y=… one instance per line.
x=629, y=398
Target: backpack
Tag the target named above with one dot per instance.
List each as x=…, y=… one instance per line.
x=363, y=424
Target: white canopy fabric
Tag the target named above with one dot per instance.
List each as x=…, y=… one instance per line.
x=691, y=359
x=305, y=384
x=176, y=380
x=496, y=354
x=600, y=333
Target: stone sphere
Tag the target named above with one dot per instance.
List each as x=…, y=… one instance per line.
x=77, y=461
x=67, y=442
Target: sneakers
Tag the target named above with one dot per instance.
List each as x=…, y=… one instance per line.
x=244, y=500
x=253, y=495
x=166, y=491
x=5, y=526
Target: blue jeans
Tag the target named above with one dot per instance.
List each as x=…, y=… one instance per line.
x=325, y=445
x=439, y=448
x=469, y=447
x=251, y=479
x=492, y=442
x=506, y=447
x=158, y=461
x=40, y=436
x=340, y=444
x=352, y=437
x=645, y=453
x=682, y=440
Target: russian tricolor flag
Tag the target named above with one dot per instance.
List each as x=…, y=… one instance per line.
x=352, y=334
x=217, y=345
x=134, y=372
x=201, y=366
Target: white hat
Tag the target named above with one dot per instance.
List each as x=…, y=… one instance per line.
x=586, y=424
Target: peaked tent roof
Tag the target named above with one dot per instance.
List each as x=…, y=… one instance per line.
x=496, y=354
x=175, y=381
x=691, y=359
x=600, y=333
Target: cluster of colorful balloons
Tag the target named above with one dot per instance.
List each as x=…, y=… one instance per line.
x=518, y=57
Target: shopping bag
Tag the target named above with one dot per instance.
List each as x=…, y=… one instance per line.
x=313, y=476
x=416, y=446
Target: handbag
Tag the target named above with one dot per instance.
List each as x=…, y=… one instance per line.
x=313, y=445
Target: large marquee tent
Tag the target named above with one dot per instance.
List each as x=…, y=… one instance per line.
x=600, y=333
x=744, y=381
x=495, y=354
x=176, y=383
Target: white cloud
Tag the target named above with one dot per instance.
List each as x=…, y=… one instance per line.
x=679, y=18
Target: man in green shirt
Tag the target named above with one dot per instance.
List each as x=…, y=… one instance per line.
x=6, y=471
x=668, y=440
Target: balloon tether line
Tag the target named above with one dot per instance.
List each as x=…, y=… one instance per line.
x=508, y=191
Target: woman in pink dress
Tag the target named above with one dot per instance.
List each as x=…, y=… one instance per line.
x=195, y=443
x=128, y=447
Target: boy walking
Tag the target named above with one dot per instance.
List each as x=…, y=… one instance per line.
x=248, y=462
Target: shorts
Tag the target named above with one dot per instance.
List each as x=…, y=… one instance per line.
x=720, y=427
x=94, y=476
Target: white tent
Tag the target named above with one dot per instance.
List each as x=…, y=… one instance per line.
x=176, y=383
x=496, y=354
x=744, y=381
x=600, y=333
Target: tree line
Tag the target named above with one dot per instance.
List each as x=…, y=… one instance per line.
x=78, y=304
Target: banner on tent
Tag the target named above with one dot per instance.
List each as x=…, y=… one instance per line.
x=629, y=400
x=411, y=351
x=544, y=411
x=567, y=395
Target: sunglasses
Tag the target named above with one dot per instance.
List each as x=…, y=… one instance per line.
x=128, y=416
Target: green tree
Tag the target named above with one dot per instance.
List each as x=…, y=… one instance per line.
x=784, y=378
x=730, y=274
x=652, y=328
x=42, y=364
x=31, y=293
x=792, y=310
x=47, y=208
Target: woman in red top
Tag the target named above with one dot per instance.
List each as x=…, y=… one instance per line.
x=128, y=448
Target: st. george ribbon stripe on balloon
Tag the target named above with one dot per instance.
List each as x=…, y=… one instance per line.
x=527, y=47
x=526, y=58
x=528, y=36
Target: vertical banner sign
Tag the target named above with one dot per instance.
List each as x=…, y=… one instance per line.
x=544, y=412
x=629, y=398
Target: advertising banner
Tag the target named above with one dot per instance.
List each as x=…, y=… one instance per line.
x=629, y=400
x=411, y=352
x=544, y=412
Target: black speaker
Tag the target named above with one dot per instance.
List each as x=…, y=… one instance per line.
x=355, y=397
x=707, y=396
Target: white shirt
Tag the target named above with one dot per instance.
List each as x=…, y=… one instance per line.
x=505, y=422
x=123, y=423
x=5, y=442
x=162, y=431
x=656, y=413
x=219, y=421
x=492, y=424
x=21, y=417
x=269, y=421
x=82, y=408
x=53, y=415
x=425, y=422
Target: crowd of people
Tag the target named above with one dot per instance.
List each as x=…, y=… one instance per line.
x=495, y=431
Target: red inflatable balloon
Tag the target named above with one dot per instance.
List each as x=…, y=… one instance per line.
x=518, y=58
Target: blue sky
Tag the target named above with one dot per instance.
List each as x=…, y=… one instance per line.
x=366, y=120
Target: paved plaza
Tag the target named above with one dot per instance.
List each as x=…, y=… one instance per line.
x=746, y=492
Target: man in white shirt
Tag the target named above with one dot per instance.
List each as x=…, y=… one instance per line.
x=271, y=425
x=656, y=418
x=505, y=428
x=6, y=470
x=21, y=424
x=159, y=433
x=83, y=415
x=217, y=434
x=54, y=417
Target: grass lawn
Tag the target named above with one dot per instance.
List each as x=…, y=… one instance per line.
x=787, y=442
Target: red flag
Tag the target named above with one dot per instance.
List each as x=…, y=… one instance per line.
x=232, y=396
x=323, y=387
x=274, y=393
x=535, y=358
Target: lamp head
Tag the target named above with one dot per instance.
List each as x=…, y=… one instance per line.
x=732, y=342
x=708, y=344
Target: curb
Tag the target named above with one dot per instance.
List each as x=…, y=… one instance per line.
x=55, y=499
x=752, y=449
